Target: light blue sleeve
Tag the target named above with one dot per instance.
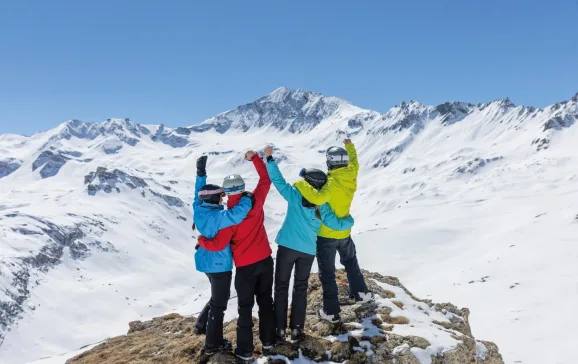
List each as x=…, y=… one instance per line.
x=289, y=193
x=200, y=182
x=233, y=216
x=333, y=222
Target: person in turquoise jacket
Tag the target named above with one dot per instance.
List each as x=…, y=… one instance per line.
x=297, y=245
x=209, y=216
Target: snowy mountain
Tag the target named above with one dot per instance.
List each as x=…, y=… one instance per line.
x=473, y=204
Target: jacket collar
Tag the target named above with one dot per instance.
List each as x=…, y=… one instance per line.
x=212, y=206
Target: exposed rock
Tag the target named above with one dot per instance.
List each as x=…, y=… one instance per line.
x=105, y=180
x=560, y=122
x=170, y=339
x=453, y=112
x=541, y=144
x=51, y=161
x=170, y=137
x=473, y=166
x=8, y=166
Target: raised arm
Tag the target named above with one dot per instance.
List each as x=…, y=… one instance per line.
x=285, y=189
x=219, y=242
x=201, y=179
x=352, y=153
x=332, y=221
x=264, y=184
x=312, y=195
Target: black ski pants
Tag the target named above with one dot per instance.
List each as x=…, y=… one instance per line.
x=255, y=281
x=211, y=318
x=326, y=251
x=287, y=259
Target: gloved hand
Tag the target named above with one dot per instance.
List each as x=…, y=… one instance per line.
x=202, y=166
x=251, y=196
x=197, y=246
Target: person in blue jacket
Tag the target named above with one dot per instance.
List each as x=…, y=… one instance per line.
x=209, y=216
x=297, y=241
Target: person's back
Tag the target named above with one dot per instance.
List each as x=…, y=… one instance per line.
x=338, y=192
x=252, y=257
x=297, y=246
x=209, y=217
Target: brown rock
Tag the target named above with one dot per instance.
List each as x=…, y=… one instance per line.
x=170, y=338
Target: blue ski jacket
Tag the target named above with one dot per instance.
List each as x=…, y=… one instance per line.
x=209, y=219
x=299, y=230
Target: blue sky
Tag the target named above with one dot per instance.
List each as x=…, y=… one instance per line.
x=180, y=62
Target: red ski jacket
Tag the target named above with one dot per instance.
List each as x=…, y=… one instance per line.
x=249, y=241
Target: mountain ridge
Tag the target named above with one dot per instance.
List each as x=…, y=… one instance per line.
x=281, y=97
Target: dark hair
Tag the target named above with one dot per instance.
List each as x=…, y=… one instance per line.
x=214, y=198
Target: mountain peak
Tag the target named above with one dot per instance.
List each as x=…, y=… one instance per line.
x=283, y=109
x=279, y=94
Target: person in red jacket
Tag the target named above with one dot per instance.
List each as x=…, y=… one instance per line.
x=253, y=262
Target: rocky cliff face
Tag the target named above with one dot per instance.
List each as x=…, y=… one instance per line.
x=396, y=328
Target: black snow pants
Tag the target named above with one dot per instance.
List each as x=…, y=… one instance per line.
x=255, y=281
x=326, y=250
x=211, y=318
x=287, y=259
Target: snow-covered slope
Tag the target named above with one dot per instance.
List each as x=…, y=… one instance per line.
x=475, y=204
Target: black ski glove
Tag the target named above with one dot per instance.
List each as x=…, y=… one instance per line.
x=251, y=196
x=202, y=166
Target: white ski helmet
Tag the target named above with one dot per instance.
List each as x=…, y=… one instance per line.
x=336, y=157
x=233, y=185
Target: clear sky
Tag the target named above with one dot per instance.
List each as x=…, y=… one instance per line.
x=179, y=62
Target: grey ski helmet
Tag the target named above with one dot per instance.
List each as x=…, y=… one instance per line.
x=233, y=185
x=336, y=158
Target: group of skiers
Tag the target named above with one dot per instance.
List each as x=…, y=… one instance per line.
x=317, y=224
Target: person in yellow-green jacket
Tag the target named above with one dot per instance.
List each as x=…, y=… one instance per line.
x=338, y=192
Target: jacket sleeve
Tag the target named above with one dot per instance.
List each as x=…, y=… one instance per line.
x=200, y=182
x=219, y=242
x=332, y=221
x=264, y=184
x=285, y=189
x=312, y=195
x=233, y=216
x=352, y=153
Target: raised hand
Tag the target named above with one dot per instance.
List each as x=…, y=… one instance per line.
x=249, y=155
x=268, y=151
x=202, y=166
x=347, y=141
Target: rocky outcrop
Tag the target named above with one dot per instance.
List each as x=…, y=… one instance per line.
x=473, y=166
x=109, y=181
x=397, y=328
x=176, y=138
x=8, y=166
x=50, y=162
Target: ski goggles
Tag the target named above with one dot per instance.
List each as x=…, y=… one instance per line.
x=302, y=173
x=220, y=191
